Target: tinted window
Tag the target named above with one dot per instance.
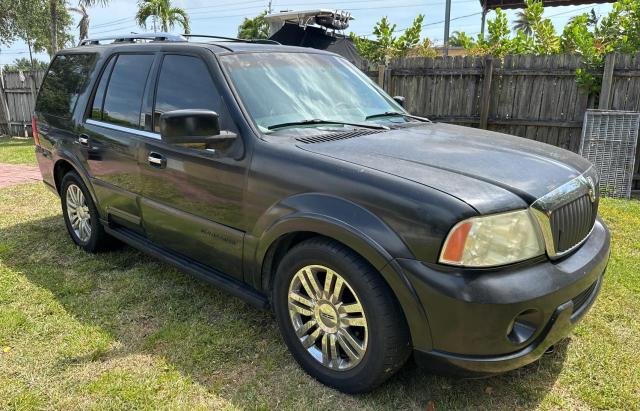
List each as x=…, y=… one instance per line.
x=126, y=87
x=96, y=110
x=66, y=79
x=185, y=83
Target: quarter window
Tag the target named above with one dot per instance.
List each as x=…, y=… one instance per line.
x=123, y=98
x=185, y=83
x=66, y=79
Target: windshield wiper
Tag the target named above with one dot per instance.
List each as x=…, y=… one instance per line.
x=320, y=121
x=397, y=114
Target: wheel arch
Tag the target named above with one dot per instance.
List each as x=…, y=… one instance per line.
x=306, y=216
x=64, y=165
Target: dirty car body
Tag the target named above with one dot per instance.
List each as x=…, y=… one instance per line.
x=425, y=205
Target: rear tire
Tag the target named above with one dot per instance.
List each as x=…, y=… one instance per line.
x=81, y=215
x=351, y=340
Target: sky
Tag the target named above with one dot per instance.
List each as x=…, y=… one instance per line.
x=223, y=17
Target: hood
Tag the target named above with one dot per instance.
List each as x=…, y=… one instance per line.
x=490, y=171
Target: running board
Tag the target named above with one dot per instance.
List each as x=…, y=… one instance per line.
x=208, y=274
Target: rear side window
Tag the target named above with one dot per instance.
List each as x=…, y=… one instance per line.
x=185, y=83
x=66, y=80
x=98, y=100
x=123, y=99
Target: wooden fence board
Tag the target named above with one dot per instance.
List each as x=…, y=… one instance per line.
x=19, y=99
x=535, y=97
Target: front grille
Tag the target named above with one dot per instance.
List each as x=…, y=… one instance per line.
x=572, y=222
x=580, y=299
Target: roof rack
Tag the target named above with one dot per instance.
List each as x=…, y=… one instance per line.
x=126, y=38
x=130, y=38
x=206, y=36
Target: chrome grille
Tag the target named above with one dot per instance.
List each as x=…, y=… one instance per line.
x=572, y=222
x=567, y=214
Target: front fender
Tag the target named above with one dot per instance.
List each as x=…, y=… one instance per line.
x=355, y=227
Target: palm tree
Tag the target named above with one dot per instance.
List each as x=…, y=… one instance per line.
x=592, y=18
x=255, y=28
x=162, y=10
x=522, y=23
x=460, y=39
x=83, y=25
x=53, y=10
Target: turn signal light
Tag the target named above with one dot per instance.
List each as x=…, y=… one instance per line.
x=454, y=248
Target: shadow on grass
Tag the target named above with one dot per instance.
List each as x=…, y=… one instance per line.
x=227, y=346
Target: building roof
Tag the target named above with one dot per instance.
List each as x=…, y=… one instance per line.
x=514, y=4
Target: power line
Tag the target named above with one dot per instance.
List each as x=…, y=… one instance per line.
x=571, y=11
x=245, y=5
x=112, y=22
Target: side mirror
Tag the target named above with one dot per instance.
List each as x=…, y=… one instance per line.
x=399, y=99
x=194, y=128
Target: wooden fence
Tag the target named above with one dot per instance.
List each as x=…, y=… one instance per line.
x=536, y=97
x=17, y=97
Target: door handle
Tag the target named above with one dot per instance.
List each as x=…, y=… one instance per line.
x=157, y=160
x=83, y=139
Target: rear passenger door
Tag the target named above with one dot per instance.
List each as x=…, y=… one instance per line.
x=192, y=198
x=113, y=136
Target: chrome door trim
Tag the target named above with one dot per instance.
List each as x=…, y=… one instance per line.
x=155, y=136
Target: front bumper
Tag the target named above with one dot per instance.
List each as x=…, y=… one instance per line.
x=471, y=313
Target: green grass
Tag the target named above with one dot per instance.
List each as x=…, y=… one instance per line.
x=17, y=151
x=121, y=330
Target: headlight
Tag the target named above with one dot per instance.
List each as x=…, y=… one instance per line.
x=493, y=240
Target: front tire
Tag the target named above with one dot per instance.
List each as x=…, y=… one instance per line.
x=338, y=317
x=81, y=215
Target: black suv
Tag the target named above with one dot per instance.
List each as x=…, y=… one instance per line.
x=288, y=178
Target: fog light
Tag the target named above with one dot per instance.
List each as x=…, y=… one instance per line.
x=524, y=326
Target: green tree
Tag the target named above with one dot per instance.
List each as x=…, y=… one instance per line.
x=58, y=8
x=543, y=33
x=535, y=34
x=30, y=21
x=387, y=46
x=162, y=11
x=522, y=23
x=255, y=28
x=461, y=39
x=497, y=42
x=83, y=25
x=24, y=64
x=7, y=22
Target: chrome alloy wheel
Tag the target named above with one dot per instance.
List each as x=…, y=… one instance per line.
x=327, y=317
x=78, y=213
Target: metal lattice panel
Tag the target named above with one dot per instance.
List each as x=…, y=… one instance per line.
x=609, y=140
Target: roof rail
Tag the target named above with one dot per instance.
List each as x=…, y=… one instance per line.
x=94, y=41
x=206, y=36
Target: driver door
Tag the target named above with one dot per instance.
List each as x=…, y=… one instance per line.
x=191, y=199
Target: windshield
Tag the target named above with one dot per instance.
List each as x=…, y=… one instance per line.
x=282, y=88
